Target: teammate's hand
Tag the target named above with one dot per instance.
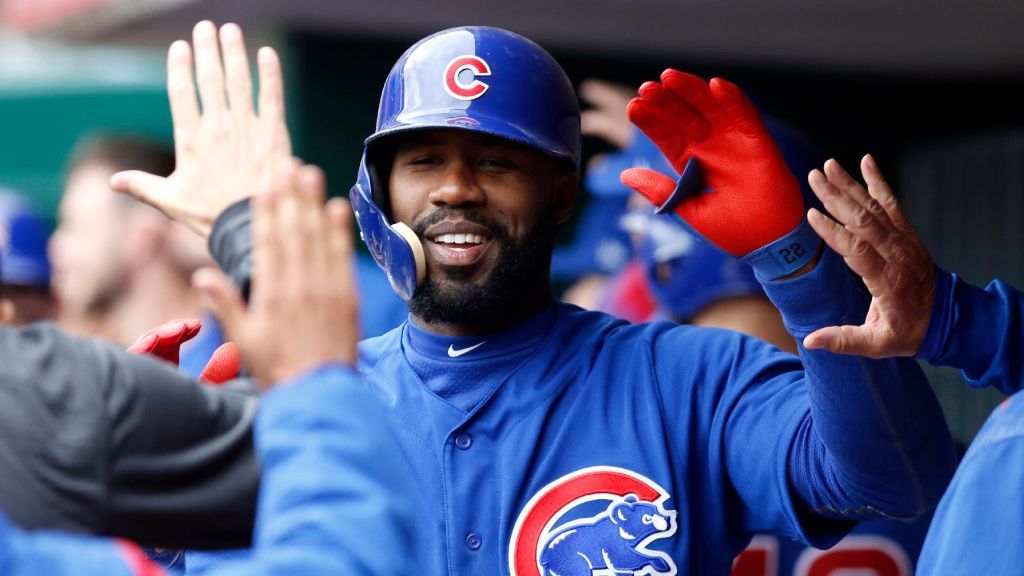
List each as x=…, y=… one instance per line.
x=303, y=307
x=606, y=119
x=878, y=243
x=223, y=153
x=165, y=340
x=751, y=205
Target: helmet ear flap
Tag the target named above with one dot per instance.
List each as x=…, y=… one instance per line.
x=379, y=157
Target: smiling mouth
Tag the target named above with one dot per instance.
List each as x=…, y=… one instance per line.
x=457, y=249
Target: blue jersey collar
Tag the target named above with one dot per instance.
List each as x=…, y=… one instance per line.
x=462, y=348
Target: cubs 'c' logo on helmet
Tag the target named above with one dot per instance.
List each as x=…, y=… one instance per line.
x=612, y=541
x=456, y=82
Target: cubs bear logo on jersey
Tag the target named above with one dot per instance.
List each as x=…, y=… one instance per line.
x=613, y=540
x=456, y=83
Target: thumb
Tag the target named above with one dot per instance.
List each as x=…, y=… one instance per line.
x=654, y=186
x=850, y=340
x=222, y=297
x=141, y=185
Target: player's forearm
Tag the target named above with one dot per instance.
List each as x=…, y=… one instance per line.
x=978, y=331
x=327, y=455
x=876, y=443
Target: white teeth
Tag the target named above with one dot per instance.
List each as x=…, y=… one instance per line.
x=459, y=239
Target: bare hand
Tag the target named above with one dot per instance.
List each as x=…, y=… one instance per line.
x=303, y=307
x=878, y=243
x=225, y=152
x=607, y=119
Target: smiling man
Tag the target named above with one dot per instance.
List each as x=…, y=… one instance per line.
x=550, y=440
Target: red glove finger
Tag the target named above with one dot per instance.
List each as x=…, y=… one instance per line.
x=736, y=105
x=165, y=340
x=695, y=91
x=224, y=365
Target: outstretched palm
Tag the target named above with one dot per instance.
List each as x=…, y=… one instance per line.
x=225, y=151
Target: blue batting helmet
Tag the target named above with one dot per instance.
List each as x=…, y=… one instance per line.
x=23, y=235
x=471, y=78
x=697, y=273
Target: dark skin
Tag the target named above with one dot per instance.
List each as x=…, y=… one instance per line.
x=458, y=170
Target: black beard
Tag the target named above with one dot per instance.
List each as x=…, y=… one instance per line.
x=507, y=295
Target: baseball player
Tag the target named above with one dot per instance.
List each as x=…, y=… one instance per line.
x=321, y=464
x=936, y=316
x=26, y=269
x=546, y=439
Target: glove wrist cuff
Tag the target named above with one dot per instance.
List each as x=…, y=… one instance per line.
x=785, y=255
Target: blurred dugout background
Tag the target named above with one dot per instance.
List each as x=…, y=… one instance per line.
x=932, y=89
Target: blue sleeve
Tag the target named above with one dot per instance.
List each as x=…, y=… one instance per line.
x=981, y=332
x=62, y=554
x=874, y=443
x=977, y=526
x=334, y=492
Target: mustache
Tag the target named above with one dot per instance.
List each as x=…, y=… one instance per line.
x=497, y=229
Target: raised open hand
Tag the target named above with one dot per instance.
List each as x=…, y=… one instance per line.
x=878, y=243
x=225, y=150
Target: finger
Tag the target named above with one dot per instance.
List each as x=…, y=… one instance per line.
x=654, y=186
x=880, y=190
x=224, y=298
x=140, y=185
x=309, y=181
x=842, y=180
x=861, y=219
x=209, y=71
x=181, y=92
x=617, y=131
x=236, y=69
x=606, y=95
x=858, y=254
x=268, y=260
x=850, y=340
x=340, y=251
x=736, y=104
x=694, y=90
x=673, y=112
x=225, y=364
x=271, y=85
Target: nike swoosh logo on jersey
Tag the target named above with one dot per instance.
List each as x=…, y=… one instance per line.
x=453, y=353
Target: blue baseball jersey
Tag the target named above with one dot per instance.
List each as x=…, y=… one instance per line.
x=981, y=332
x=977, y=525
x=575, y=443
x=979, y=522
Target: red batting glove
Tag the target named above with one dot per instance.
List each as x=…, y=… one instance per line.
x=165, y=340
x=751, y=207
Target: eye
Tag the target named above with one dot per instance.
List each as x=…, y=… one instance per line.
x=494, y=163
x=647, y=519
x=424, y=160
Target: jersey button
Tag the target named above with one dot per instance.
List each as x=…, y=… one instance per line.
x=473, y=541
x=464, y=441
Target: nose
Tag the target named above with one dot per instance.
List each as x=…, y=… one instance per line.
x=459, y=186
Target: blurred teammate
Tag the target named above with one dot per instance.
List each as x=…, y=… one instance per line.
x=121, y=267
x=24, y=266
x=920, y=310
x=546, y=439
x=359, y=474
